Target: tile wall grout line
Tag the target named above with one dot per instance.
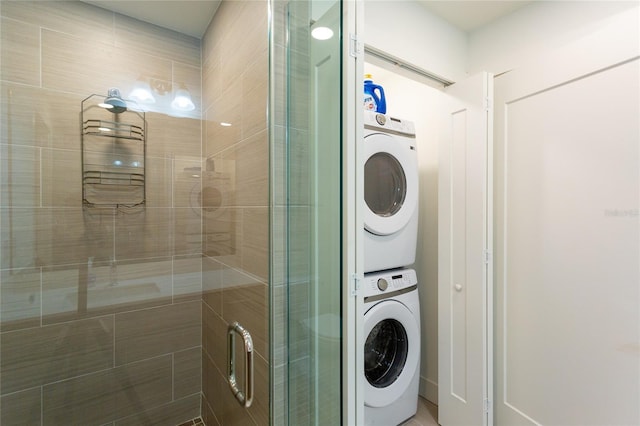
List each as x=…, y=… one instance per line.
x=13, y=392
x=112, y=44
x=188, y=349
x=173, y=280
x=102, y=370
x=41, y=173
x=113, y=29
x=201, y=393
x=160, y=405
x=133, y=310
x=41, y=405
x=128, y=261
x=35, y=86
x=40, y=54
x=203, y=167
x=113, y=223
x=211, y=410
x=41, y=297
x=173, y=376
x=114, y=342
x=56, y=324
x=173, y=177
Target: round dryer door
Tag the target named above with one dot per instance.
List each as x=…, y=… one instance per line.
x=390, y=184
x=390, y=352
x=210, y=197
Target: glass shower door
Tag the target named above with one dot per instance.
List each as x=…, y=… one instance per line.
x=306, y=168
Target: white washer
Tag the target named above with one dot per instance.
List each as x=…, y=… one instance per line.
x=392, y=347
x=390, y=192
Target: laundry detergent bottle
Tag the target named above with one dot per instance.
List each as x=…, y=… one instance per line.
x=374, y=99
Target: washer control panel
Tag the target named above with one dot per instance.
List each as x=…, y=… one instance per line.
x=388, y=281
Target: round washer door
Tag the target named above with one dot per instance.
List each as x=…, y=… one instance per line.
x=391, y=352
x=390, y=184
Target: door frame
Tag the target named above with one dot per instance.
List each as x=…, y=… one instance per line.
x=353, y=219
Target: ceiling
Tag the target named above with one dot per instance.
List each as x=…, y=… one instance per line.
x=471, y=15
x=193, y=17
x=185, y=16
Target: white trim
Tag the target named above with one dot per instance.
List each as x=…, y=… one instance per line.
x=429, y=390
x=353, y=223
x=488, y=249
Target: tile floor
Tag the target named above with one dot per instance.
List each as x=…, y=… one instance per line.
x=427, y=414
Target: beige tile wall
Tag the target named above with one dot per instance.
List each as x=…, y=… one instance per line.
x=100, y=312
x=235, y=241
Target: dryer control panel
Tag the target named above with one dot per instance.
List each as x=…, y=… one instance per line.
x=387, y=123
x=388, y=281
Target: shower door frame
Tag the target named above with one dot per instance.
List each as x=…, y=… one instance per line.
x=353, y=211
x=352, y=190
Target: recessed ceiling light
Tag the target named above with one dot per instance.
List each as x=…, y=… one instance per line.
x=322, y=33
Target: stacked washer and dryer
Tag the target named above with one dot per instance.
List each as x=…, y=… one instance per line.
x=392, y=311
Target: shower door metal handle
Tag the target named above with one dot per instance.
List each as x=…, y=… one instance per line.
x=244, y=398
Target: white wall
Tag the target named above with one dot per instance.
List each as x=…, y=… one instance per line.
x=410, y=32
x=539, y=27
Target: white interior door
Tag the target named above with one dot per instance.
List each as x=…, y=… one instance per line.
x=567, y=189
x=464, y=241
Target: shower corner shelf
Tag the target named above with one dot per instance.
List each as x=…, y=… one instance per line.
x=112, y=129
x=113, y=155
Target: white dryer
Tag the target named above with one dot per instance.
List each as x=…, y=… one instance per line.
x=390, y=192
x=211, y=223
x=392, y=346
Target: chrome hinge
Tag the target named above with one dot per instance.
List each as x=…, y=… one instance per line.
x=487, y=405
x=355, y=284
x=355, y=46
x=487, y=104
x=487, y=256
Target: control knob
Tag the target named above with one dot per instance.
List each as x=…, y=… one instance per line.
x=382, y=284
